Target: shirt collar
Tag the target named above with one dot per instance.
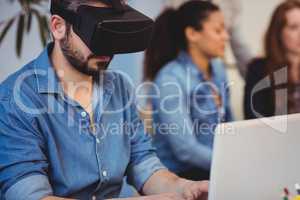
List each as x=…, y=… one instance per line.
x=47, y=80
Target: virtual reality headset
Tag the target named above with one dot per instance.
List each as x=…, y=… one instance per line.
x=109, y=30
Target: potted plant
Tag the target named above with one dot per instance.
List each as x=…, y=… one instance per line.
x=29, y=9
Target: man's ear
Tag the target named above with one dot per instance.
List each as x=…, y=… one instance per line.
x=191, y=34
x=58, y=27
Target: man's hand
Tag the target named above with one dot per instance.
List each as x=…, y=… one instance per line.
x=194, y=190
x=164, y=181
x=167, y=196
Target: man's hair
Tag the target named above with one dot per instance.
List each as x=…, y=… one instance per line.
x=72, y=5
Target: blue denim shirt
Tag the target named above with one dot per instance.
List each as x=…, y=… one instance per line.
x=47, y=146
x=185, y=113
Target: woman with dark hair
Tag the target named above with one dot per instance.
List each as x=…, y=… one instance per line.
x=272, y=83
x=190, y=91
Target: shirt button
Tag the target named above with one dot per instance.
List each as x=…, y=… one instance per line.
x=83, y=114
x=98, y=141
x=94, y=198
x=104, y=173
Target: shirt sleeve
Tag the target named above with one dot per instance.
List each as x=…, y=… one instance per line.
x=175, y=114
x=33, y=187
x=23, y=164
x=143, y=159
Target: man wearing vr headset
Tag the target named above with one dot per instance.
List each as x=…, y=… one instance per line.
x=52, y=113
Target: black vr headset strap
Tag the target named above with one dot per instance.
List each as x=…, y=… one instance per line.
x=66, y=14
x=71, y=16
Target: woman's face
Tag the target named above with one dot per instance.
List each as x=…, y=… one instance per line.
x=291, y=32
x=211, y=40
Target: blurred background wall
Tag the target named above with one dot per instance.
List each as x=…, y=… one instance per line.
x=254, y=17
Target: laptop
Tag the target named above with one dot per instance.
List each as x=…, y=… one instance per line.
x=256, y=159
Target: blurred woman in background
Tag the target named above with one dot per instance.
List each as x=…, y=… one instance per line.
x=190, y=95
x=273, y=82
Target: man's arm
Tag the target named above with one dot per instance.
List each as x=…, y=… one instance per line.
x=55, y=198
x=164, y=181
x=161, y=182
x=165, y=196
x=145, y=171
x=24, y=165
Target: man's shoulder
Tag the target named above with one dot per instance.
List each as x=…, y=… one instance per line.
x=119, y=79
x=24, y=77
x=119, y=85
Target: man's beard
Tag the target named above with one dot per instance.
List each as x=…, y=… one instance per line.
x=77, y=60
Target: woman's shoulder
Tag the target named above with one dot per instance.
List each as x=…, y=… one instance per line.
x=172, y=69
x=258, y=64
x=219, y=66
x=256, y=70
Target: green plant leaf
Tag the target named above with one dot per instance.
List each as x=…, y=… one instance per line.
x=29, y=21
x=25, y=22
x=22, y=2
x=41, y=26
x=20, y=33
x=6, y=28
x=46, y=30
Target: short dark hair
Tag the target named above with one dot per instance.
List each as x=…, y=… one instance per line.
x=72, y=5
